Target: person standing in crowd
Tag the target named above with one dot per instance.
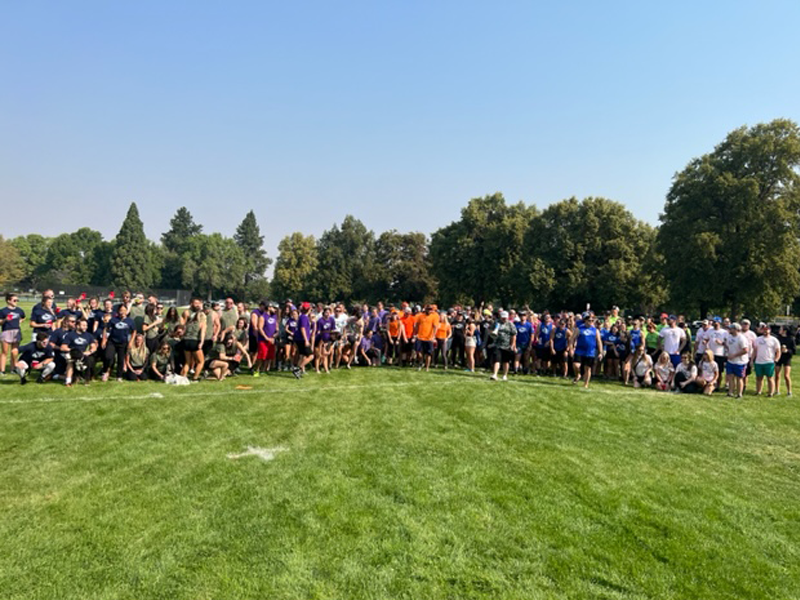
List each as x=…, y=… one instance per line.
x=394, y=329
x=303, y=340
x=543, y=344
x=751, y=340
x=11, y=318
x=524, y=336
x=93, y=313
x=81, y=346
x=738, y=348
x=587, y=348
x=408, y=321
x=427, y=322
x=227, y=319
x=671, y=340
x=470, y=344
x=43, y=315
x=783, y=367
x=324, y=327
x=340, y=317
x=443, y=334
x=126, y=302
x=701, y=341
x=457, y=340
x=559, y=348
x=152, y=326
x=766, y=353
x=194, y=334
x=717, y=342
x=117, y=336
x=505, y=346
x=212, y=326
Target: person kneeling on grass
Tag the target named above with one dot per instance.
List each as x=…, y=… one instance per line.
x=161, y=362
x=642, y=368
x=217, y=364
x=664, y=372
x=685, y=375
x=136, y=360
x=368, y=355
x=707, y=373
x=36, y=356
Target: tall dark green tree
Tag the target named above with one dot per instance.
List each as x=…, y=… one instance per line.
x=594, y=250
x=131, y=264
x=213, y=264
x=248, y=237
x=346, y=258
x=175, y=241
x=478, y=258
x=403, y=268
x=729, y=232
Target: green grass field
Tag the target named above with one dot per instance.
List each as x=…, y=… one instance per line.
x=396, y=484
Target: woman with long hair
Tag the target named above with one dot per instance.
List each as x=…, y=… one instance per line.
x=786, y=338
x=136, y=359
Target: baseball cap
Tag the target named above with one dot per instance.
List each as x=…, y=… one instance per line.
x=664, y=315
x=504, y=314
x=736, y=326
x=305, y=305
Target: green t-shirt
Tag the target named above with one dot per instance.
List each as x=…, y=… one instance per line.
x=193, y=324
x=218, y=352
x=209, y=327
x=137, y=314
x=152, y=332
x=651, y=340
x=505, y=331
x=228, y=318
x=160, y=362
x=138, y=358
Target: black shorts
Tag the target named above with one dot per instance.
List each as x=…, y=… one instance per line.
x=721, y=362
x=303, y=349
x=426, y=347
x=407, y=346
x=503, y=356
x=560, y=357
x=543, y=353
x=785, y=361
x=191, y=345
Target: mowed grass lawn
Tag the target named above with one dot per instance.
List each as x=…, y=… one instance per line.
x=396, y=484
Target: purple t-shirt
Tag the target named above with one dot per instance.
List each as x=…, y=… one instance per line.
x=303, y=324
x=253, y=332
x=270, y=325
x=325, y=327
x=365, y=343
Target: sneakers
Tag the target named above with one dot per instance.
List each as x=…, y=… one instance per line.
x=505, y=377
x=493, y=377
x=256, y=374
x=296, y=372
x=104, y=377
x=23, y=379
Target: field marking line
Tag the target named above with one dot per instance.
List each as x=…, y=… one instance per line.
x=265, y=454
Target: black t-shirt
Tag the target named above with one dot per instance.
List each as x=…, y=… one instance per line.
x=459, y=329
x=79, y=341
x=31, y=353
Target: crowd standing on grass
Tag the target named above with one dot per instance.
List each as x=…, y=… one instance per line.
x=139, y=339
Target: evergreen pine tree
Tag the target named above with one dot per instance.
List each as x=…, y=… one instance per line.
x=131, y=260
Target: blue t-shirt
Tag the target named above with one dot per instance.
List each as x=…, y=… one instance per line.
x=560, y=339
x=636, y=338
x=57, y=337
x=544, y=334
x=78, y=341
x=524, y=334
x=587, y=342
x=10, y=317
x=40, y=315
x=120, y=330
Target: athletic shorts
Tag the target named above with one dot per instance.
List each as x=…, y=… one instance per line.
x=581, y=359
x=266, y=351
x=721, y=362
x=426, y=347
x=675, y=359
x=12, y=336
x=503, y=356
x=560, y=356
x=191, y=345
x=252, y=345
x=543, y=353
x=784, y=361
x=304, y=349
x=765, y=369
x=734, y=369
x=470, y=342
x=522, y=350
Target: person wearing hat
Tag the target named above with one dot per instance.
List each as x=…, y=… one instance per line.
x=738, y=347
x=766, y=353
x=671, y=339
x=505, y=345
x=717, y=342
x=701, y=341
x=751, y=338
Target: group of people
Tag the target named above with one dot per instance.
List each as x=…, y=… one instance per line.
x=139, y=338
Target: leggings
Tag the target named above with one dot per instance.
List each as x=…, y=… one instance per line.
x=118, y=351
x=457, y=351
x=441, y=350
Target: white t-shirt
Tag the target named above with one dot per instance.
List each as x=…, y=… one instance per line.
x=710, y=370
x=766, y=349
x=737, y=343
x=751, y=338
x=701, y=337
x=641, y=367
x=663, y=371
x=671, y=339
x=341, y=322
x=717, y=340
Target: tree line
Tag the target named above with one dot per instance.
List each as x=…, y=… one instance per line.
x=728, y=241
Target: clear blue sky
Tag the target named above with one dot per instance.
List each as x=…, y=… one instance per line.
x=396, y=112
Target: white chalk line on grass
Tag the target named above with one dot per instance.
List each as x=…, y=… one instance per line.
x=157, y=395
x=266, y=454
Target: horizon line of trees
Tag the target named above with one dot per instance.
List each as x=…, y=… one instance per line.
x=728, y=240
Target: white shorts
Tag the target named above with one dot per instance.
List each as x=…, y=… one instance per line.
x=12, y=336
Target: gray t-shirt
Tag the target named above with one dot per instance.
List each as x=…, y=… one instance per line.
x=503, y=334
